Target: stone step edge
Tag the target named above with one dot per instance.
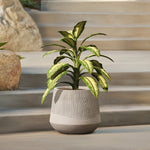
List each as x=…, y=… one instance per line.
x=104, y=39
x=42, y=90
x=38, y=119
x=131, y=1
x=95, y=26
x=87, y=13
x=46, y=111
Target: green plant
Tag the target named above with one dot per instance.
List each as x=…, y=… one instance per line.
x=2, y=44
x=78, y=69
x=30, y=4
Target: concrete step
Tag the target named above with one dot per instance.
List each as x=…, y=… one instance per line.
x=118, y=79
x=94, y=18
x=124, y=61
x=51, y=31
x=23, y=98
x=21, y=120
x=105, y=138
x=117, y=95
x=130, y=68
x=96, y=6
x=110, y=44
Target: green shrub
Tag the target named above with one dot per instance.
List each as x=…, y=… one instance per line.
x=30, y=4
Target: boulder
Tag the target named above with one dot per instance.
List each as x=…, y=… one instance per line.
x=10, y=70
x=18, y=28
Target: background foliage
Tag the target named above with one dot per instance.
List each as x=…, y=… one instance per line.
x=34, y=4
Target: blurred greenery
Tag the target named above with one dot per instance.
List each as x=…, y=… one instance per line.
x=34, y=4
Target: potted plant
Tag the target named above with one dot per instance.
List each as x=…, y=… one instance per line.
x=10, y=69
x=75, y=109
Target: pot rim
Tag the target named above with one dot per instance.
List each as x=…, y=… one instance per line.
x=69, y=88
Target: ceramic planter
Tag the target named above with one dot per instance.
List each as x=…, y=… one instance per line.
x=10, y=70
x=74, y=111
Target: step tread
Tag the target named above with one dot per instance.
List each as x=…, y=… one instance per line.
x=87, y=13
x=96, y=26
x=111, y=89
x=46, y=111
x=35, y=64
x=106, y=39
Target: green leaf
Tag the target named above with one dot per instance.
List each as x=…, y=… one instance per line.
x=92, y=85
x=66, y=34
x=107, y=57
x=89, y=56
x=101, y=81
x=92, y=36
x=65, y=51
x=96, y=63
x=69, y=42
x=87, y=64
x=93, y=49
x=52, y=82
x=55, y=68
x=53, y=45
x=103, y=72
x=59, y=58
x=20, y=57
x=3, y=43
x=46, y=93
x=78, y=29
x=99, y=68
x=50, y=52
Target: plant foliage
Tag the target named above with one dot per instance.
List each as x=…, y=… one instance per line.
x=30, y=4
x=90, y=71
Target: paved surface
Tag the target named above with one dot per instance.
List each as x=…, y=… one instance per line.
x=114, y=138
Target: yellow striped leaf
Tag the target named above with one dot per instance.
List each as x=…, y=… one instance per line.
x=78, y=28
x=55, y=68
x=101, y=81
x=93, y=49
x=87, y=64
x=92, y=85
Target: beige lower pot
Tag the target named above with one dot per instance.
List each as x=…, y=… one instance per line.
x=10, y=70
x=74, y=111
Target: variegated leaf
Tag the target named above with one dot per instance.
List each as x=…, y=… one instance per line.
x=69, y=42
x=96, y=63
x=78, y=29
x=59, y=58
x=47, y=92
x=107, y=58
x=92, y=85
x=89, y=56
x=55, y=68
x=93, y=49
x=87, y=64
x=92, y=36
x=52, y=82
x=66, y=34
x=50, y=52
x=101, y=81
x=53, y=45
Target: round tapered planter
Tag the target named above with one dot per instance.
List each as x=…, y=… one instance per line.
x=74, y=111
x=10, y=70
